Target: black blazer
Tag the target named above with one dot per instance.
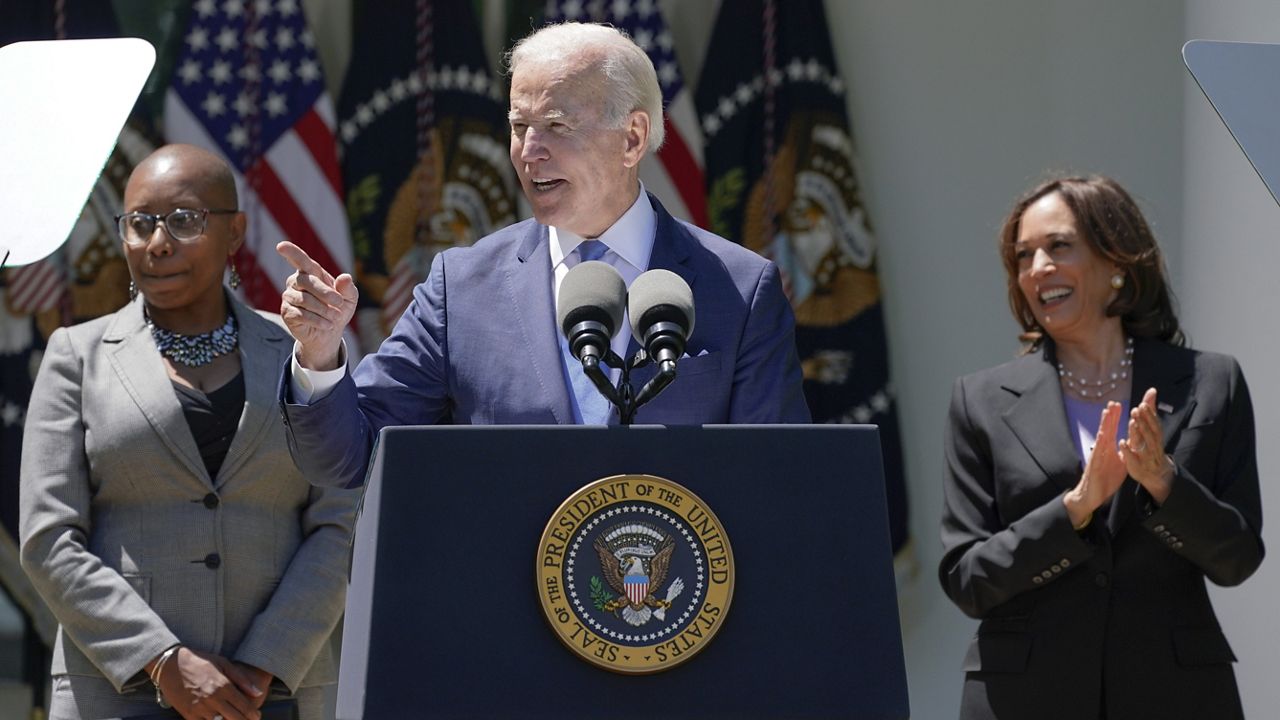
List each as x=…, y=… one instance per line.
x=1117, y=615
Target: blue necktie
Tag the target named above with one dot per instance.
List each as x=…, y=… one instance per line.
x=593, y=408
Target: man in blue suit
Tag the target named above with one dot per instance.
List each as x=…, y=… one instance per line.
x=479, y=344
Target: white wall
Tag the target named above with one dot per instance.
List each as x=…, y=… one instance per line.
x=1230, y=299
x=957, y=108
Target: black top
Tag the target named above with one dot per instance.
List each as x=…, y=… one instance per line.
x=213, y=419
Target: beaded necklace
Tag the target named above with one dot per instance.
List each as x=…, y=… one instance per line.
x=1095, y=389
x=196, y=350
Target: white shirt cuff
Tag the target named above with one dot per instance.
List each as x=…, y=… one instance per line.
x=307, y=385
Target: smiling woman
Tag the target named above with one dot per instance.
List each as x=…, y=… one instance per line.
x=1083, y=542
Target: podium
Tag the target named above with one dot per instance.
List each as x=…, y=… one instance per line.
x=443, y=614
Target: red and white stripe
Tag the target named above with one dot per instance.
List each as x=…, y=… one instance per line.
x=36, y=287
x=404, y=278
x=675, y=174
x=637, y=590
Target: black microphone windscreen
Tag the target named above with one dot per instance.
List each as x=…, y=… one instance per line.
x=662, y=291
x=591, y=290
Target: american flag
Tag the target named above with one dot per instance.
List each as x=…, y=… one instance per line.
x=36, y=287
x=248, y=84
x=675, y=175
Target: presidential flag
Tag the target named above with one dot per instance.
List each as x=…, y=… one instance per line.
x=675, y=174
x=782, y=180
x=423, y=126
x=248, y=85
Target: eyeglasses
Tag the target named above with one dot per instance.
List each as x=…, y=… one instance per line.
x=183, y=224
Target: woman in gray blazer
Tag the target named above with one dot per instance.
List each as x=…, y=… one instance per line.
x=187, y=560
x=1096, y=481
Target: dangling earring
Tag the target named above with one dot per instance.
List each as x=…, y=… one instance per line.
x=235, y=275
x=1117, y=281
x=133, y=291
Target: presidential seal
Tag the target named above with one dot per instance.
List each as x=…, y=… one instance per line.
x=635, y=574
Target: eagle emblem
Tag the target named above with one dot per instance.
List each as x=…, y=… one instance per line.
x=635, y=559
x=656, y=588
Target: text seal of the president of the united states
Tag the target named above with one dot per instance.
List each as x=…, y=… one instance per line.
x=635, y=573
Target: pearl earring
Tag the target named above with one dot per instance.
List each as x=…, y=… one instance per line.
x=1117, y=281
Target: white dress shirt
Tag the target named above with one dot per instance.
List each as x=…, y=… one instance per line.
x=630, y=242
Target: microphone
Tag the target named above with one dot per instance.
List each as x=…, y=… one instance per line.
x=590, y=308
x=661, y=311
x=589, y=312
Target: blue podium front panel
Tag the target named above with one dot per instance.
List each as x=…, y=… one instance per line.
x=444, y=617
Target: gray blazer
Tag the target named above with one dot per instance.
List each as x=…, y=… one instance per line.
x=135, y=547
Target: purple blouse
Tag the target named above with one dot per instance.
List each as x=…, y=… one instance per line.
x=1083, y=417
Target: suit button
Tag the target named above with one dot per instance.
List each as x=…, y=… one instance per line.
x=1056, y=568
x=1101, y=579
x=1165, y=534
x=1176, y=546
x=1046, y=574
x=1158, y=528
x=212, y=561
x=1065, y=563
x=211, y=501
x=1036, y=579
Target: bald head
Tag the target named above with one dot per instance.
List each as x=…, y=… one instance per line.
x=201, y=172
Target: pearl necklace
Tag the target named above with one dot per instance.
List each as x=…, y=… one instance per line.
x=196, y=350
x=1097, y=389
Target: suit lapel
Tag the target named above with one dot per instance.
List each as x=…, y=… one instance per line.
x=262, y=355
x=672, y=250
x=1160, y=366
x=528, y=286
x=671, y=245
x=136, y=362
x=1039, y=420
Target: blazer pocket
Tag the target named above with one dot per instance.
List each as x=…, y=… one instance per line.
x=1196, y=647
x=698, y=364
x=998, y=652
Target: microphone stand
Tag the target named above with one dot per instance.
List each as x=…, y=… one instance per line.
x=599, y=378
x=630, y=401
x=623, y=396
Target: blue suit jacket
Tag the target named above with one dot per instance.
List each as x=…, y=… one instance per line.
x=479, y=345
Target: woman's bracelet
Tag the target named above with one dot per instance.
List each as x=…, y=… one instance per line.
x=159, y=668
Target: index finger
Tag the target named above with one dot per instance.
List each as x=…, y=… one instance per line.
x=302, y=262
x=1149, y=398
x=1109, y=423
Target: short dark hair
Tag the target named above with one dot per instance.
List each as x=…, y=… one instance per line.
x=1113, y=226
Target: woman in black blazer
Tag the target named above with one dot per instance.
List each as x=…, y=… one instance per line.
x=1095, y=481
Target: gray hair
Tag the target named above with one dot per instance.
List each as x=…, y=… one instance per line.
x=632, y=83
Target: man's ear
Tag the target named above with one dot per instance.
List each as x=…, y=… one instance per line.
x=637, y=138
